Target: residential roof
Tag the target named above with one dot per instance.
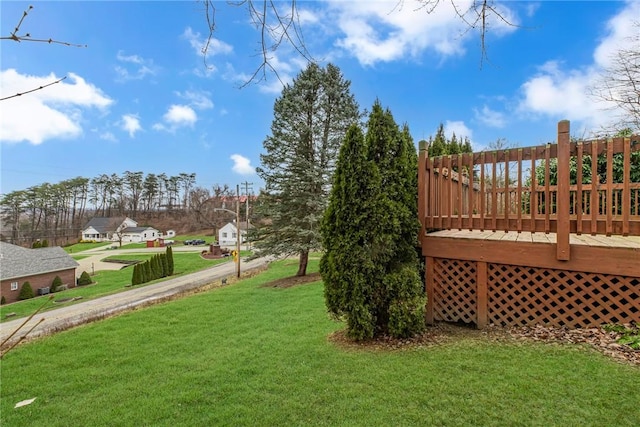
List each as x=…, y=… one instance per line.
x=136, y=229
x=16, y=261
x=104, y=224
x=243, y=225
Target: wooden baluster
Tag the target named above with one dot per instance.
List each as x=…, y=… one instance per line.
x=595, y=187
x=547, y=194
x=626, y=186
x=460, y=191
x=482, y=193
x=609, y=202
x=519, y=194
x=533, y=197
x=579, y=197
x=494, y=194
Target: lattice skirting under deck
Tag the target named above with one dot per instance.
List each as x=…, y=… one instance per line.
x=517, y=295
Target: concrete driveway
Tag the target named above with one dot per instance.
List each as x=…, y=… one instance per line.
x=100, y=308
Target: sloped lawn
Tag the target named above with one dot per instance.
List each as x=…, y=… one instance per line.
x=253, y=355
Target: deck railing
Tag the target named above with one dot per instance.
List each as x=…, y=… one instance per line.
x=568, y=187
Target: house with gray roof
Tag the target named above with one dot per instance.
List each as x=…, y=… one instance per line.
x=37, y=266
x=118, y=229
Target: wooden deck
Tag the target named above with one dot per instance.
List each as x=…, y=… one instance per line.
x=528, y=237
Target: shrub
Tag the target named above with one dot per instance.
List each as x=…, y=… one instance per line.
x=3, y=300
x=36, y=244
x=26, y=291
x=55, y=285
x=44, y=244
x=170, y=261
x=84, y=279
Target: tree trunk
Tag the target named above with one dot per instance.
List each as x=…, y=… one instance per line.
x=304, y=260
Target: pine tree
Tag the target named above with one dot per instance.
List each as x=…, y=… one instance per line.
x=26, y=291
x=170, y=260
x=311, y=118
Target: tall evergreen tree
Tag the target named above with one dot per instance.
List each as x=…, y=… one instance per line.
x=169, y=253
x=311, y=118
x=370, y=265
x=351, y=236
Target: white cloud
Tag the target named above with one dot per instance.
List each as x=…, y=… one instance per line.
x=270, y=83
x=490, y=117
x=131, y=124
x=198, y=43
x=108, y=136
x=175, y=117
x=139, y=69
x=459, y=128
x=242, y=165
x=52, y=112
x=382, y=31
x=564, y=93
x=199, y=100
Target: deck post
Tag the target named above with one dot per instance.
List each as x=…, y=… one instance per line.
x=423, y=188
x=430, y=288
x=563, y=196
x=481, y=295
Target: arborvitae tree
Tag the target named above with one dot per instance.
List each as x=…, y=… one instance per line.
x=154, y=267
x=135, y=275
x=351, y=236
x=311, y=118
x=44, y=244
x=57, y=282
x=26, y=292
x=370, y=229
x=144, y=277
x=37, y=244
x=84, y=279
x=148, y=273
x=170, y=260
x=165, y=265
x=3, y=300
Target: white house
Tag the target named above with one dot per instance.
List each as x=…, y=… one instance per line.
x=228, y=235
x=117, y=229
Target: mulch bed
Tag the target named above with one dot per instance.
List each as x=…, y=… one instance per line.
x=288, y=282
x=442, y=333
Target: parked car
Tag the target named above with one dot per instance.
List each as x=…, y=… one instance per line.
x=187, y=242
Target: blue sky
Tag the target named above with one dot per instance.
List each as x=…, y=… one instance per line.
x=139, y=97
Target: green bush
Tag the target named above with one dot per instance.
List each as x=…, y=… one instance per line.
x=36, y=244
x=57, y=282
x=84, y=279
x=3, y=300
x=44, y=244
x=26, y=292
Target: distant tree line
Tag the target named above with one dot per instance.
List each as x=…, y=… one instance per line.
x=57, y=212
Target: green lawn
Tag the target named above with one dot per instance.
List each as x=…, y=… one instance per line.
x=250, y=355
x=79, y=247
x=108, y=282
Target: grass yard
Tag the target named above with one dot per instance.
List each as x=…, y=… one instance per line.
x=261, y=356
x=108, y=282
x=79, y=247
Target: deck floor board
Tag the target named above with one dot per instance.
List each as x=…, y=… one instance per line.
x=525, y=236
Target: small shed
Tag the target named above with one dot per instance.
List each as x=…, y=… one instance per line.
x=156, y=243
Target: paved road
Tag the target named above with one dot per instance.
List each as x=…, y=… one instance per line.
x=99, y=308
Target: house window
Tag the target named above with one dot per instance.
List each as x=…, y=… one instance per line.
x=233, y=235
x=14, y=286
x=224, y=234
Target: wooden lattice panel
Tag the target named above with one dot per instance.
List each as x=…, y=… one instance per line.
x=528, y=296
x=454, y=298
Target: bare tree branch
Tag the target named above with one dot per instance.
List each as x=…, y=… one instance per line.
x=276, y=28
x=27, y=37
x=33, y=90
x=619, y=83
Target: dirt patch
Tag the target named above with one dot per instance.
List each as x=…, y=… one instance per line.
x=442, y=333
x=288, y=282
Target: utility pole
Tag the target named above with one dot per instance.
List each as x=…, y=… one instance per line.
x=238, y=233
x=247, y=186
